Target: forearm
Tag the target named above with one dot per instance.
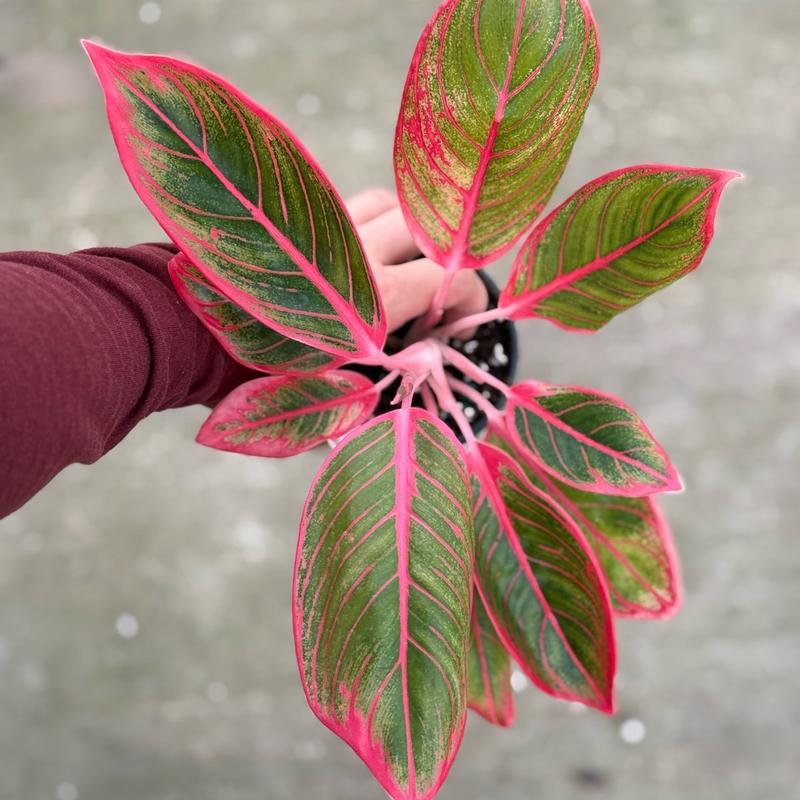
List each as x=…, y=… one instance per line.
x=90, y=344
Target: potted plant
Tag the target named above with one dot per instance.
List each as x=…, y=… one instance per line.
x=430, y=555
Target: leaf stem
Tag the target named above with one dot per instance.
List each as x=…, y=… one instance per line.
x=436, y=309
x=472, y=321
x=471, y=370
x=428, y=399
x=438, y=382
x=492, y=414
x=426, y=323
x=387, y=380
x=377, y=359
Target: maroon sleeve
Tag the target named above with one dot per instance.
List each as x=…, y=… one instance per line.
x=91, y=343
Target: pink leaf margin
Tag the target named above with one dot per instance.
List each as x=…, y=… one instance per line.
x=664, y=532
x=671, y=483
x=104, y=59
x=504, y=715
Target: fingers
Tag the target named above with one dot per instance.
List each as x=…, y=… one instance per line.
x=371, y=203
x=408, y=289
x=406, y=282
x=387, y=239
x=382, y=228
x=468, y=295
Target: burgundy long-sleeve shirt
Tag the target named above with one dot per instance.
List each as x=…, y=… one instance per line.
x=90, y=344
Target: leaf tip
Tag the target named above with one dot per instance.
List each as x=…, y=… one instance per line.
x=506, y=716
x=102, y=58
x=207, y=436
x=98, y=53
x=603, y=699
x=607, y=704
x=674, y=484
x=671, y=609
x=728, y=175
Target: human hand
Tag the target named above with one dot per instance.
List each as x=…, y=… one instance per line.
x=406, y=282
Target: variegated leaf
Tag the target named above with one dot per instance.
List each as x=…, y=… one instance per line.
x=493, y=102
x=243, y=200
x=489, y=688
x=246, y=339
x=630, y=537
x=615, y=242
x=382, y=598
x=588, y=439
x=634, y=544
x=541, y=584
x=282, y=416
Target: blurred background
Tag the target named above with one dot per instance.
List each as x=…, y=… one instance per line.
x=145, y=646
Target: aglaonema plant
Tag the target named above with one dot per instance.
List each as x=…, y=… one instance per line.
x=429, y=555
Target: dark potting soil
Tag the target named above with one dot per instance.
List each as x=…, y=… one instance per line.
x=493, y=348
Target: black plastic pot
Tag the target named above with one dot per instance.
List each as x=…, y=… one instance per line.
x=492, y=348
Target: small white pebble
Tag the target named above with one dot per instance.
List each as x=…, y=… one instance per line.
x=217, y=692
x=127, y=626
x=518, y=681
x=470, y=347
x=499, y=354
x=149, y=13
x=632, y=731
x=469, y=413
x=66, y=791
x=308, y=104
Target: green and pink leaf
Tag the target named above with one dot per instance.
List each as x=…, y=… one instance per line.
x=489, y=674
x=630, y=537
x=587, y=439
x=614, y=243
x=282, y=416
x=494, y=99
x=634, y=545
x=541, y=584
x=382, y=598
x=247, y=340
x=243, y=199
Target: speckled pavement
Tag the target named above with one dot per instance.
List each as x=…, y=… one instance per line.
x=145, y=648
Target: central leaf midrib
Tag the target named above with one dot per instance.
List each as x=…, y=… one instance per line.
x=404, y=492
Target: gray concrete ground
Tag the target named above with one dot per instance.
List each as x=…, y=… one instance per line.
x=144, y=601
